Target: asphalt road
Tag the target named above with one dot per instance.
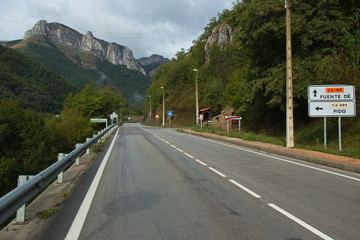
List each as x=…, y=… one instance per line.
x=161, y=184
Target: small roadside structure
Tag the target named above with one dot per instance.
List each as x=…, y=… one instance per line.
x=219, y=120
x=207, y=114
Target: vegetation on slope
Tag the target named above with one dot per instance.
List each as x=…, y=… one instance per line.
x=249, y=74
x=32, y=84
x=30, y=141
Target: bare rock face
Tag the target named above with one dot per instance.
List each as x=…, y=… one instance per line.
x=40, y=28
x=221, y=36
x=63, y=35
x=152, y=63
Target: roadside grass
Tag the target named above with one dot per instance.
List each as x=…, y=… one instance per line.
x=310, y=137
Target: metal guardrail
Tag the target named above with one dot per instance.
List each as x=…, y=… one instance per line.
x=13, y=200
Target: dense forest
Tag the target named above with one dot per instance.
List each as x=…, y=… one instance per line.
x=80, y=68
x=32, y=84
x=31, y=140
x=248, y=74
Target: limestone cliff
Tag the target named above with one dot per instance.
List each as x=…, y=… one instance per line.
x=150, y=64
x=65, y=36
x=221, y=36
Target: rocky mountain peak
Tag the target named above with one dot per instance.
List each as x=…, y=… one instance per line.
x=65, y=36
x=152, y=63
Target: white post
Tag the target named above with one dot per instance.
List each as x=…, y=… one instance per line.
x=227, y=126
x=88, y=150
x=21, y=212
x=61, y=175
x=163, y=117
x=239, y=124
x=78, y=158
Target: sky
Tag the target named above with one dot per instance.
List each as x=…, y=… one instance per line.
x=147, y=27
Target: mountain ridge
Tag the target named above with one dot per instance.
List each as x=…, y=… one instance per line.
x=63, y=35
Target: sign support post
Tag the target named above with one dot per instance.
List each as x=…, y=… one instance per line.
x=340, y=147
x=227, y=126
x=325, y=137
x=331, y=101
x=239, y=125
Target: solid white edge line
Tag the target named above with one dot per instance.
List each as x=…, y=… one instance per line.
x=202, y=163
x=217, y=172
x=300, y=222
x=179, y=150
x=244, y=188
x=284, y=160
x=77, y=224
x=188, y=155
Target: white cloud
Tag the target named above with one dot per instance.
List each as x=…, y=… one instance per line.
x=146, y=26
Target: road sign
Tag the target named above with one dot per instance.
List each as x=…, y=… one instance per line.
x=170, y=113
x=331, y=101
x=331, y=93
x=98, y=120
x=157, y=116
x=201, y=116
x=332, y=109
x=233, y=117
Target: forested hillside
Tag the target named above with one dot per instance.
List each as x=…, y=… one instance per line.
x=30, y=140
x=31, y=83
x=82, y=68
x=248, y=72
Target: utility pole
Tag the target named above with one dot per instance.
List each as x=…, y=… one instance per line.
x=197, y=97
x=289, y=81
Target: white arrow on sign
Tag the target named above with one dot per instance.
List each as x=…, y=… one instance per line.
x=332, y=109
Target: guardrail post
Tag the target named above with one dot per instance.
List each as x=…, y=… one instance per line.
x=88, y=150
x=78, y=158
x=21, y=212
x=61, y=175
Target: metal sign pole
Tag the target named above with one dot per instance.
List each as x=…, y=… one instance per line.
x=239, y=124
x=325, y=137
x=227, y=126
x=340, y=147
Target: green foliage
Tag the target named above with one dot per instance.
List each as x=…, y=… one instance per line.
x=26, y=145
x=52, y=57
x=32, y=84
x=47, y=213
x=131, y=83
x=69, y=128
x=94, y=103
x=249, y=74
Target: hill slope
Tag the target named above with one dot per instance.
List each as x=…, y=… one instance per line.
x=31, y=83
x=83, y=59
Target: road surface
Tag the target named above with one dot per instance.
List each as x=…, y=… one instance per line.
x=156, y=183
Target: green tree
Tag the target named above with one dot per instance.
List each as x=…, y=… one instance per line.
x=26, y=145
x=69, y=128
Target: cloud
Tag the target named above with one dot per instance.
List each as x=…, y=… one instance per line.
x=147, y=27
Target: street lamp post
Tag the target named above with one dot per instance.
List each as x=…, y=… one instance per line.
x=163, y=119
x=121, y=118
x=150, y=109
x=196, y=96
